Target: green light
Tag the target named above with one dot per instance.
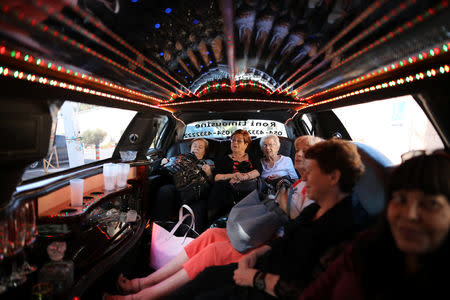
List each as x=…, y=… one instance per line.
x=1, y=70
x=90, y=78
x=442, y=70
x=420, y=56
x=29, y=77
x=429, y=73
x=49, y=65
x=25, y=58
x=445, y=48
x=76, y=73
x=417, y=76
x=385, y=69
x=38, y=62
x=59, y=68
x=16, y=73
x=401, y=63
x=432, y=52
x=68, y=71
x=13, y=53
x=410, y=60
x=393, y=66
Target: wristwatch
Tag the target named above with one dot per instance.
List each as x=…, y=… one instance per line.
x=259, y=282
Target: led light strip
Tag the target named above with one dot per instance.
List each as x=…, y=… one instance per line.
x=98, y=24
x=383, y=39
x=71, y=42
x=388, y=84
x=383, y=70
x=243, y=84
x=227, y=100
x=347, y=29
x=91, y=36
x=40, y=62
x=17, y=74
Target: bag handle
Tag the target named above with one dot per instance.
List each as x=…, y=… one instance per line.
x=181, y=219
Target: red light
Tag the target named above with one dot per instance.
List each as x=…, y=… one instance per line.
x=2, y=50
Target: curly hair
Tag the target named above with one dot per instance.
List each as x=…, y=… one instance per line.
x=336, y=154
x=245, y=135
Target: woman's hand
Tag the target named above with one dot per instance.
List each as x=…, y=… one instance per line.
x=207, y=169
x=244, y=276
x=248, y=261
x=272, y=177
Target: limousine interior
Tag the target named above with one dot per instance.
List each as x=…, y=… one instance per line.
x=134, y=81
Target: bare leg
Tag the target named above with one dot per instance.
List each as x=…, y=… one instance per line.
x=137, y=284
x=165, y=287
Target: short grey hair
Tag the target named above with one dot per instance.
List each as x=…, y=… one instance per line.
x=272, y=136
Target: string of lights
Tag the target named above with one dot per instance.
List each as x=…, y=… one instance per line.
x=73, y=43
x=60, y=17
x=98, y=24
x=377, y=24
x=46, y=64
x=227, y=100
x=383, y=39
x=34, y=78
x=394, y=66
x=372, y=8
x=433, y=72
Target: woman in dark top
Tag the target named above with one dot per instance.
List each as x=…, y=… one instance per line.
x=407, y=256
x=232, y=169
x=332, y=169
x=169, y=199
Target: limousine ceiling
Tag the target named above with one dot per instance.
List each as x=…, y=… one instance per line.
x=204, y=54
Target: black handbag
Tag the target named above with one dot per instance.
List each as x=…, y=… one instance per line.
x=243, y=188
x=189, y=179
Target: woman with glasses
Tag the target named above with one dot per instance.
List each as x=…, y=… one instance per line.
x=275, y=166
x=231, y=170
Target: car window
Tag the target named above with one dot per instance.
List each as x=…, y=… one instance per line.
x=222, y=129
x=393, y=126
x=84, y=134
x=162, y=123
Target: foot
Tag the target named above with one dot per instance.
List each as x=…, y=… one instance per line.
x=126, y=286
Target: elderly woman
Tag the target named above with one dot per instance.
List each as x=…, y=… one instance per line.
x=407, y=255
x=168, y=198
x=235, y=169
x=213, y=246
x=332, y=169
x=274, y=165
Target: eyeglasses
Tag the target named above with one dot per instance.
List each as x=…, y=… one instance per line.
x=237, y=141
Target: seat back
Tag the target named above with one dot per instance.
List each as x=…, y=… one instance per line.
x=218, y=148
x=370, y=190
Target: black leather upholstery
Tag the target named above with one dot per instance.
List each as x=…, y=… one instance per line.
x=219, y=148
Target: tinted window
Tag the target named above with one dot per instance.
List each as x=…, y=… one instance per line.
x=84, y=133
x=393, y=126
x=224, y=128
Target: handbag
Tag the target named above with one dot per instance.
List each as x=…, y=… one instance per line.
x=189, y=179
x=253, y=222
x=169, y=238
x=243, y=188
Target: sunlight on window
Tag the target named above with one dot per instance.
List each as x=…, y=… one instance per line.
x=393, y=126
x=84, y=134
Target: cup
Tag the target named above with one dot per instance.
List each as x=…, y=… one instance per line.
x=122, y=174
x=109, y=175
x=76, y=192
